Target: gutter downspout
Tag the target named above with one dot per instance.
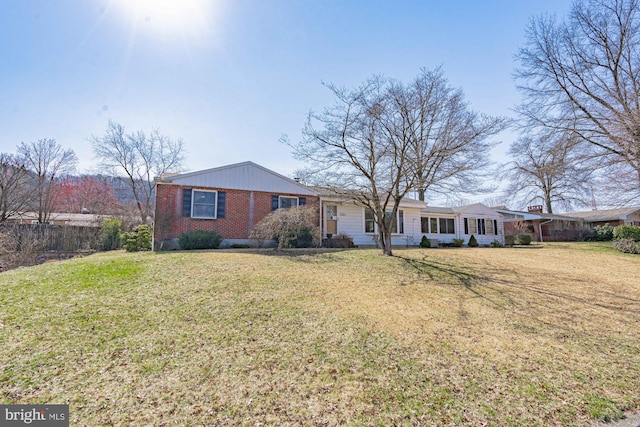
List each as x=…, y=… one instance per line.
x=540, y=228
x=321, y=222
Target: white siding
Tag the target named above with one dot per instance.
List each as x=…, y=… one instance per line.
x=441, y=238
x=351, y=223
x=483, y=239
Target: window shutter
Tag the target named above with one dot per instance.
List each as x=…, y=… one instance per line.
x=222, y=202
x=274, y=202
x=495, y=227
x=302, y=201
x=186, y=202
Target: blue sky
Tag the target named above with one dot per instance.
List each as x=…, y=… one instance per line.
x=230, y=77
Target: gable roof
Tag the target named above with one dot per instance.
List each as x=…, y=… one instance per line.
x=606, y=214
x=247, y=176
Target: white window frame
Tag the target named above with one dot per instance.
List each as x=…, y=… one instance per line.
x=399, y=226
x=297, y=199
x=193, y=203
x=446, y=219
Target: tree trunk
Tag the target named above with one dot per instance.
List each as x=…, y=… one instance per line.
x=547, y=201
x=385, y=240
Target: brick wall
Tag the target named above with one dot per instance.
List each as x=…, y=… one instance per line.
x=244, y=209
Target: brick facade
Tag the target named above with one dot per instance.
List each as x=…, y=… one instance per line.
x=244, y=209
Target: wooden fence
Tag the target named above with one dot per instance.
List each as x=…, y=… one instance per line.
x=45, y=237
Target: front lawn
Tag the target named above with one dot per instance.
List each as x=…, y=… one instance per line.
x=548, y=335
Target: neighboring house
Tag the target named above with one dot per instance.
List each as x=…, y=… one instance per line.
x=229, y=200
x=342, y=216
x=542, y=227
x=59, y=218
x=613, y=217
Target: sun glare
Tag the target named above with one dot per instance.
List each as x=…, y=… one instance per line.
x=169, y=17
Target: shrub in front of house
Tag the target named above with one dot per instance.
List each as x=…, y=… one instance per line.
x=626, y=232
x=628, y=246
x=425, y=242
x=523, y=239
x=137, y=240
x=297, y=238
x=200, y=239
x=110, y=234
x=473, y=242
x=292, y=227
x=509, y=240
x=496, y=244
x=599, y=233
x=457, y=243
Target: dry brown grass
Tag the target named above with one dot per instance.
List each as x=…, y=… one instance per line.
x=537, y=336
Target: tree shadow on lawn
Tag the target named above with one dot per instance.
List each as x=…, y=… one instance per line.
x=522, y=296
x=435, y=271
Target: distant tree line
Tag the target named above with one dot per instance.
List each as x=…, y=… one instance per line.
x=41, y=177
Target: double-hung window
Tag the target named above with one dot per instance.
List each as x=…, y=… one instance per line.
x=203, y=204
x=447, y=226
x=287, y=202
x=482, y=226
x=397, y=223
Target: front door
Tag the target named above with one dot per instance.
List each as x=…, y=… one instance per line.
x=331, y=215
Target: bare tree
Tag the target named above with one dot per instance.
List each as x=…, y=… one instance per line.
x=449, y=142
x=136, y=159
x=15, y=194
x=548, y=168
x=48, y=161
x=384, y=139
x=351, y=148
x=582, y=75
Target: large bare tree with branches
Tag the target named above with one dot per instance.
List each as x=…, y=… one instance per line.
x=350, y=149
x=384, y=139
x=548, y=169
x=449, y=143
x=47, y=161
x=582, y=75
x=136, y=159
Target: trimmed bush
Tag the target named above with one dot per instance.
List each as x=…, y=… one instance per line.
x=496, y=244
x=523, y=239
x=473, y=242
x=137, y=240
x=509, y=240
x=298, y=238
x=200, y=239
x=627, y=232
x=599, y=233
x=424, y=242
x=457, y=243
x=110, y=234
x=628, y=246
